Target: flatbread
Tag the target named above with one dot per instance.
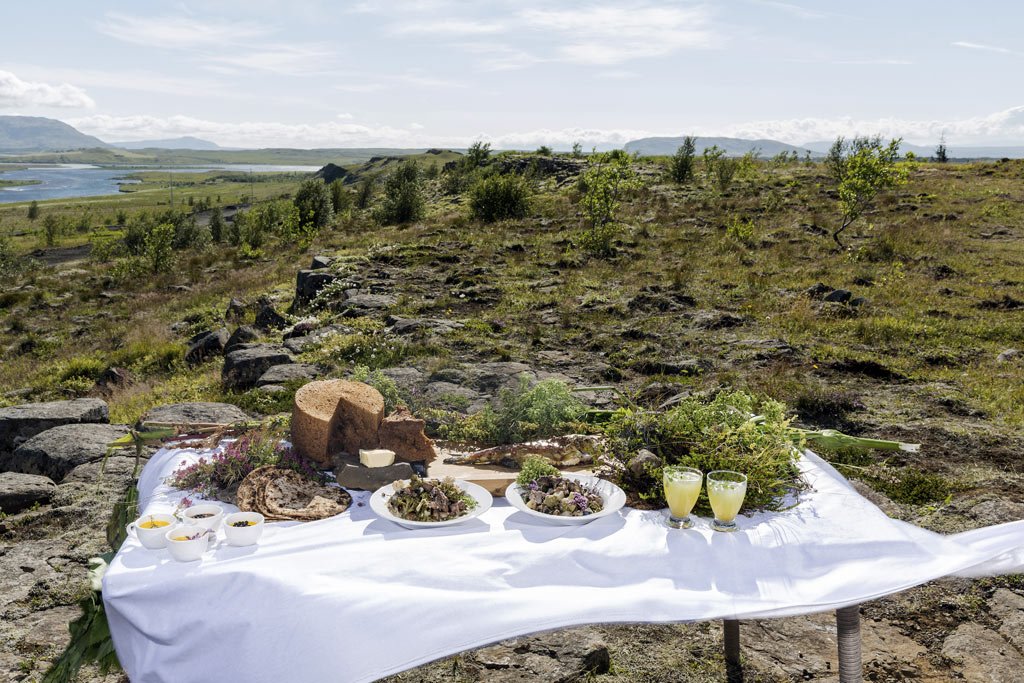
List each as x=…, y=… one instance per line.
x=281, y=494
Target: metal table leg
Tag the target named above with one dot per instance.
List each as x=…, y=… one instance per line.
x=851, y=669
x=731, y=634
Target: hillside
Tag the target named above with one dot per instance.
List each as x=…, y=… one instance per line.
x=36, y=133
x=188, y=157
x=912, y=333
x=665, y=146
x=184, y=142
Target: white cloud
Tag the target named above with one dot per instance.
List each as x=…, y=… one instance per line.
x=15, y=92
x=880, y=61
x=499, y=56
x=289, y=60
x=613, y=34
x=790, y=8
x=449, y=27
x=983, y=48
x=345, y=116
x=181, y=33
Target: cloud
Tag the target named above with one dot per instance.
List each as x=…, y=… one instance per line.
x=983, y=48
x=15, y=92
x=880, y=61
x=499, y=56
x=459, y=27
x=221, y=46
x=613, y=34
x=1001, y=127
x=789, y=8
x=179, y=33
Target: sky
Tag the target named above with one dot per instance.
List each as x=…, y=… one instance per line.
x=420, y=73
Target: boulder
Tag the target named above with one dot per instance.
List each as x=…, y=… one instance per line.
x=671, y=366
x=1008, y=355
x=1009, y=608
x=983, y=654
x=291, y=372
x=59, y=450
x=196, y=414
x=838, y=296
x=412, y=325
x=267, y=318
x=243, y=367
x=309, y=283
x=301, y=328
x=20, y=423
x=117, y=468
x=545, y=657
x=332, y=416
x=110, y=381
x=19, y=491
x=206, y=345
x=244, y=334
x=403, y=433
x=236, y=310
x=320, y=261
x=300, y=344
x=362, y=304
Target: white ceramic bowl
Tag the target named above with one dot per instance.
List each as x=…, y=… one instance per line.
x=192, y=549
x=216, y=512
x=379, y=504
x=243, y=535
x=154, y=537
x=614, y=498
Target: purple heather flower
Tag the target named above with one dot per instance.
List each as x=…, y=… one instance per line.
x=533, y=486
x=580, y=500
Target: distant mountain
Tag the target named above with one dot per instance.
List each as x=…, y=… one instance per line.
x=39, y=134
x=184, y=142
x=952, y=151
x=732, y=146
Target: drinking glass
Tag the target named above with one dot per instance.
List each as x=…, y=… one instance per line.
x=682, y=488
x=726, y=491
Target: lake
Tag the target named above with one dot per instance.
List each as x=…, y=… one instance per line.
x=82, y=180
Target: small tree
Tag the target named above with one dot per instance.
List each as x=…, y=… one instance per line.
x=403, y=196
x=341, y=199
x=217, y=224
x=577, y=149
x=940, y=151
x=603, y=185
x=364, y=191
x=313, y=200
x=33, y=210
x=53, y=229
x=477, y=155
x=159, y=247
x=680, y=168
x=544, y=151
x=868, y=168
x=500, y=197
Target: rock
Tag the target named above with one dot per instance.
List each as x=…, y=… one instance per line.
x=236, y=310
x=245, y=334
x=243, y=367
x=671, y=366
x=352, y=475
x=301, y=328
x=59, y=450
x=858, y=301
x=364, y=304
x=271, y=389
x=300, y=344
x=206, y=345
x=19, y=491
x=331, y=416
x=309, y=283
x=1008, y=607
x=267, y=318
x=114, y=468
x=411, y=325
x=19, y=423
x=818, y=290
x=983, y=654
x=717, y=320
x=290, y=372
x=996, y=511
x=838, y=296
x=486, y=377
x=331, y=172
x=550, y=657
x=448, y=395
x=1008, y=355
x=196, y=414
x=111, y=380
x=320, y=262
x=641, y=464
x=403, y=433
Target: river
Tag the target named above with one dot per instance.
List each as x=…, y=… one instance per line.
x=61, y=181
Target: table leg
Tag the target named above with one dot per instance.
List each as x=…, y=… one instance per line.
x=851, y=669
x=731, y=634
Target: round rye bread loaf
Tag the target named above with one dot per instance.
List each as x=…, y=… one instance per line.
x=333, y=416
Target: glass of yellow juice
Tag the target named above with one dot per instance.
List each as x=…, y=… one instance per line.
x=682, y=488
x=726, y=491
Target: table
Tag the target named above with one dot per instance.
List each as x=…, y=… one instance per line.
x=354, y=598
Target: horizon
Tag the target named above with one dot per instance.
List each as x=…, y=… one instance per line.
x=445, y=74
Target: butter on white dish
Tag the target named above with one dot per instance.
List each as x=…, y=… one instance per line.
x=377, y=457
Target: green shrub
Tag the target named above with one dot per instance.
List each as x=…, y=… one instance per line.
x=599, y=240
x=500, y=197
x=382, y=383
x=159, y=248
x=364, y=191
x=341, y=199
x=315, y=205
x=217, y=225
x=742, y=230
x=680, y=167
x=402, y=201
x=603, y=185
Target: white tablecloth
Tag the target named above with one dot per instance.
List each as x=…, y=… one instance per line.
x=354, y=598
